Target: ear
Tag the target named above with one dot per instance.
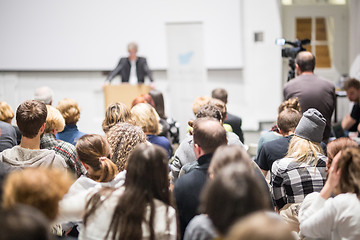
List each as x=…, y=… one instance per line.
x=42, y=128
x=85, y=166
x=280, y=131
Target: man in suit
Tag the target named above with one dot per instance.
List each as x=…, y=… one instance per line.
x=233, y=120
x=132, y=69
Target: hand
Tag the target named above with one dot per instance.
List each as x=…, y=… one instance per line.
x=333, y=178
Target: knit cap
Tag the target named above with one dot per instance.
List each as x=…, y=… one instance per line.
x=311, y=126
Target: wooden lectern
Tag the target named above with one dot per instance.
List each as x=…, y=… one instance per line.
x=124, y=93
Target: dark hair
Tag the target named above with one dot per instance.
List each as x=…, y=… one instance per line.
x=146, y=180
x=209, y=111
x=221, y=106
x=220, y=93
x=349, y=163
x=116, y=112
x=209, y=134
x=306, y=61
x=351, y=83
x=232, y=194
x=30, y=116
x=24, y=222
x=288, y=120
x=94, y=150
x=158, y=98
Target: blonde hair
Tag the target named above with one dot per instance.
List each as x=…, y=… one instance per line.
x=146, y=117
x=54, y=120
x=6, y=112
x=70, y=110
x=200, y=102
x=123, y=138
x=41, y=188
x=303, y=150
x=116, y=112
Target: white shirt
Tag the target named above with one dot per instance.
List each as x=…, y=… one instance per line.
x=133, y=80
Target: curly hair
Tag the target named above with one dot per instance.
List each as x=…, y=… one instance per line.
x=123, y=138
x=290, y=103
x=70, y=110
x=116, y=112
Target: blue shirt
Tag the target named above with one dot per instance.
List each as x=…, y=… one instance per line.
x=160, y=141
x=71, y=134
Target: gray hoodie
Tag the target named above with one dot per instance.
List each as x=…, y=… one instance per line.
x=23, y=157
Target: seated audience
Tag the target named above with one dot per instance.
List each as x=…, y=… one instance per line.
x=41, y=188
x=335, y=146
x=115, y=112
x=70, y=110
x=44, y=94
x=7, y=135
x=303, y=170
x=261, y=226
x=31, y=120
x=139, y=210
x=351, y=121
x=324, y=217
x=233, y=120
x=222, y=107
x=123, y=138
x=55, y=123
x=146, y=117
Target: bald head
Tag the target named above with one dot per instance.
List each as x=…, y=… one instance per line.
x=209, y=134
x=305, y=62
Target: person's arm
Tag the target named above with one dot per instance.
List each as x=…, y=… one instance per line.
x=147, y=70
x=261, y=161
x=278, y=192
x=347, y=122
x=116, y=71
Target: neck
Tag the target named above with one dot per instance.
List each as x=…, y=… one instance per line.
x=30, y=143
x=307, y=73
x=288, y=133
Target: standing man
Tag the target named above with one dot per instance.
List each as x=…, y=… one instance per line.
x=312, y=91
x=351, y=121
x=132, y=69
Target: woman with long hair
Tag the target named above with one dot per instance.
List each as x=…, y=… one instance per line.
x=139, y=210
x=335, y=218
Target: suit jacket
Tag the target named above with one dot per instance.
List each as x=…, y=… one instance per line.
x=123, y=69
x=235, y=123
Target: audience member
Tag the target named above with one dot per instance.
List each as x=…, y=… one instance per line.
x=116, y=112
x=199, y=102
x=7, y=136
x=143, y=98
x=303, y=170
x=31, y=120
x=261, y=226
x=271, y=151
x=312, y=91
x=139, y=210
x=123, y=138
x=44, y=94
x=6, y=115
x=223, y=110
x=324, y=217
x=335, y=146
x=233, y=120
x=146, y=117
x=55, y=123
x=274, y=133
x=208, y=134
x=41, y=188
x=70, y=110
x=351, y=121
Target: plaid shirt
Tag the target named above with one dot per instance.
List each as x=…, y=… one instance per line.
x=65, y=150
x=292, y=181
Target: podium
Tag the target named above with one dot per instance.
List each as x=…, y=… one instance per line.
x=124, y=93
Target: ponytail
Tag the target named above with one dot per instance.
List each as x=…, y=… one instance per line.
x=108, y=170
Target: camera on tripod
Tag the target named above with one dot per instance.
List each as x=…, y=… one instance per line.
x=291, y=52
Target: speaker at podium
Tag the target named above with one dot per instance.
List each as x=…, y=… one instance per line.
x=124, y=93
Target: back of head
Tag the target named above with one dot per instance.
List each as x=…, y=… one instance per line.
x=334, y=147
x=209, y=134
x=209, y=111
x=54, y=120
x=260, y=226
x=44, y=95
x=41, y=188
x=227, y=154
x=24, y=223
x=123, y=138
x=30, y=116
x=351, y=83
x=290, y=103
x=220, y=105
x=311, y=126
x=115, y=112
x=6, y=113
x=238, y=191
x=288, y=120
x=349, y=163
x=158, y=98
x=220, y=93
x=146, y=117
x=199, y=102
x=306, y=61
x=93, y=150
x=143, y=98
x=70, y=110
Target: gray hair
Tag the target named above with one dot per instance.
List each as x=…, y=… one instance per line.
x=44, y=94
